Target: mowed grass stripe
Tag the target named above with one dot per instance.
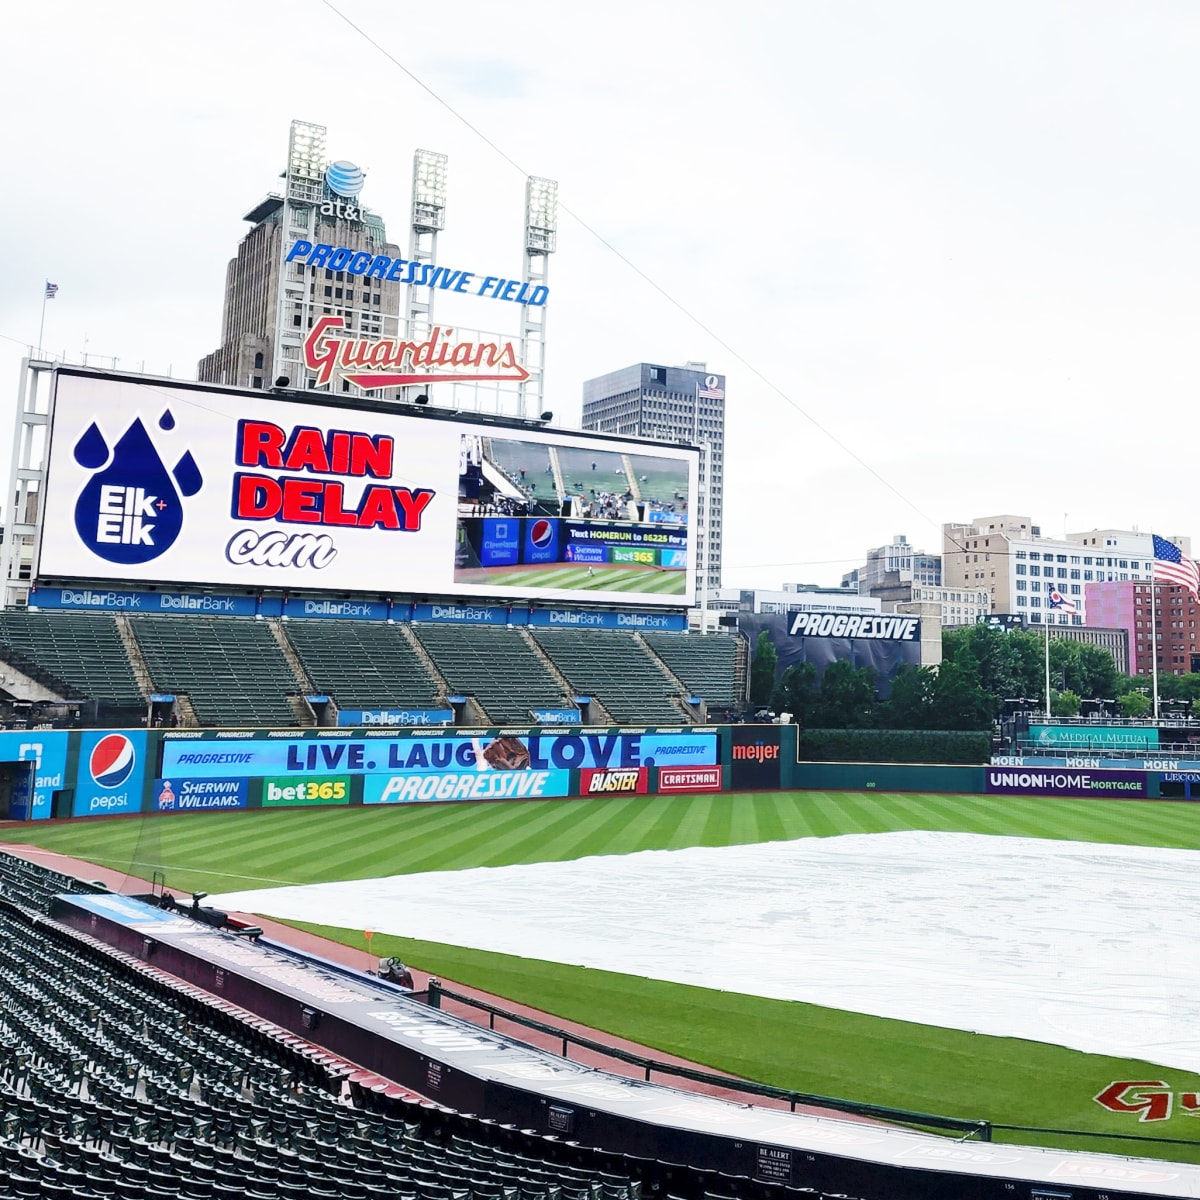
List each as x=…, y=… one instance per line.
x=792, y=1044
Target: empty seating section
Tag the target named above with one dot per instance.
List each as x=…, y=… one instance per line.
x=78, y=653
x=230, y=667
x=363, y=665
x=705, y=665
x=617, y=670
x=495, y=665
x=115, y=1082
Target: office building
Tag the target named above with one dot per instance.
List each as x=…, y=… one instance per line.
x=676, y=404
x=1162, y=615
x=1008, y=557
x=271, y=304
x=891, y=571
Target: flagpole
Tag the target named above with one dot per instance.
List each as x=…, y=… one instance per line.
x=1154, y=640
x=1047, y=666
x=42, y=326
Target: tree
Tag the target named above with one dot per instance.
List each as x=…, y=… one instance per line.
x=847, y=698
x=762, y=670
x=911, y=703
x=958, y=700
x=1135, y=704
x=797, y=693
x=1064, y=704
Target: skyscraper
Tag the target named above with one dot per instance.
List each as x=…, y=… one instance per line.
x=678, y=404
x=271, y=303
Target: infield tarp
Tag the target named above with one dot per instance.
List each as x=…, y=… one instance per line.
x=1083, y=945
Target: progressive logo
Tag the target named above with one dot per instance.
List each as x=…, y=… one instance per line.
x=112, y=761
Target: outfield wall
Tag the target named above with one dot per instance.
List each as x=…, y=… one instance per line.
x=91, y=773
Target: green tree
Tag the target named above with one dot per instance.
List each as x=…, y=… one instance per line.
x=847, y=697
x=1135, y=704
x=1064, y=704
x=762, y=670
x=797, y=692
x=911, y=703
x=958, y=700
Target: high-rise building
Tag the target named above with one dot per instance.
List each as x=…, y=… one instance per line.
x=1156, y=616
x=677, y=404
x=271, y=304
x=1008, y=557
x=891, y=571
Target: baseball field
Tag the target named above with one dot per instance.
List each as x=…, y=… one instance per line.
x=792, y=1044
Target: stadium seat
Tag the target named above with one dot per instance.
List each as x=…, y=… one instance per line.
x=705, y=664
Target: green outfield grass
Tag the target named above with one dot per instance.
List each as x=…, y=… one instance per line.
x=790, y=1044
x=661, y=581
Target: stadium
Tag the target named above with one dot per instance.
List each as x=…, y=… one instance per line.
x=648, y=952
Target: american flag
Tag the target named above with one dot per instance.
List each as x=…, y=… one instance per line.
x=710, y=389
x=51, y=290
x=1170, y=566
x=1059, y=601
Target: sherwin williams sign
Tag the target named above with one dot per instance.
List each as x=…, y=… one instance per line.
x=1117, y=784
x=1094, y=737
x=200, y=795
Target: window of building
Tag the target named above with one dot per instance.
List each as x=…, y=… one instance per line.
x=1035, y=602
x=257, y=380
x=1075, y=589
x=1087, y=575
x=329, y=290
x=297, y=320
x=1124, y=563
x=1036, y=570
x=1020, y=568
x=1034, y=556
x=1087, y=560
x=337, y=293
x=258, y=361
x=1076, y=619
x=1022, y=601
x=1062, y=558
x=1075, y=559
x=1022, y=585
x=1062, y=572
x=1020, y=553
x=1075, y=573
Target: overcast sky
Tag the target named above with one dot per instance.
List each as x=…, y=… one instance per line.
x=962, y=238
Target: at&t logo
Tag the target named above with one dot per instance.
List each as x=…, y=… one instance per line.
x=131, y=510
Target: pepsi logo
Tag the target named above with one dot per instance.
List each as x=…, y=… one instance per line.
x=112, y=761
x=542, y=534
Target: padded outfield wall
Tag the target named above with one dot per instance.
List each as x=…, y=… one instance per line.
x=93, y=773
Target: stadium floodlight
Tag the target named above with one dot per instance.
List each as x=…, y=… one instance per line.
x=429, y=190
x=541, y=215
x=306, y=153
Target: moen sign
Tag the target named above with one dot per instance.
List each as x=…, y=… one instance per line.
x=372, y=362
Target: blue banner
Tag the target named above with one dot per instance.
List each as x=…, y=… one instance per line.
x=341, y=610
x=142, y=602
x=541, y=541
x=111, y=773
x=237, y=757
x=565, y=618
x=47, y=748
x=438, y=788
x=400, y=718
x=204, y=795
x=461, y=614
x=1093, y=762
x=500, y=545
x=556, y=716
x=1094, y=737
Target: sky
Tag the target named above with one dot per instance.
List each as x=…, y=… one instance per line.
x=946, y=255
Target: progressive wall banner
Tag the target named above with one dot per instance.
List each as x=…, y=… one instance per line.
x=159, y=482
x=754, y=758
x=882, y=643
x=1002, y=781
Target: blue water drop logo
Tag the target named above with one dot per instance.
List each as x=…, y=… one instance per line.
x=132, y=511
x=167, y=420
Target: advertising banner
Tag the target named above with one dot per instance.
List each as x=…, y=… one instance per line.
x=341, y=610
x=399, y=718
x=111, y=774
x=220, y=758
x=47, y=749
x=614, y=781
x=754, y=758
x=1051, y=782
x=285, y=791
x=200, y=795
x=556, y=618
x=880, y=643
x=556, y=716
x=153, y=482
x=689, y=779
x=1094, y=737
x=429, y=788
x=461, y=614
x=142, y=602
x=1093, y=762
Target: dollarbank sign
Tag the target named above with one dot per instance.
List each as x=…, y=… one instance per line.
x=381, y=362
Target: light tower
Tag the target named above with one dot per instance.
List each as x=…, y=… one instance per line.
x=428, y=220
x=303, y=188
x=541, y=240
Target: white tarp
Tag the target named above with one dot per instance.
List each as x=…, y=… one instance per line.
x=1084, y=945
